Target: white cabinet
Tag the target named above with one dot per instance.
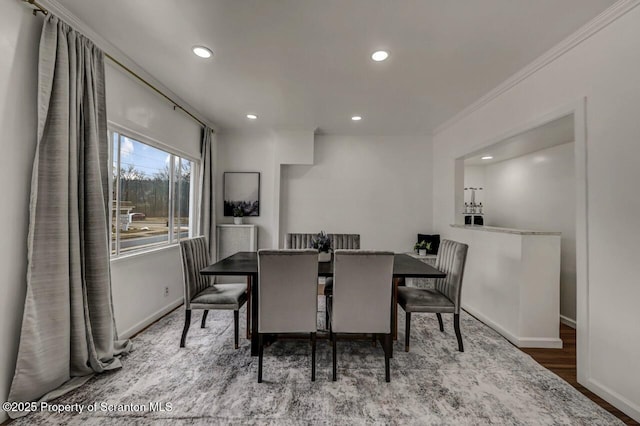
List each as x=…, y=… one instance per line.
x=235, y=238
x=232, y=239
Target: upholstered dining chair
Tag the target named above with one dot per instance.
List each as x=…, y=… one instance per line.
x=362, y=298
x=338, y=242
x=287, y=297
x=445, y=297
x=200, y=293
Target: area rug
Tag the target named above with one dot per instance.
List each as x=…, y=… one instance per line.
x=208, y=382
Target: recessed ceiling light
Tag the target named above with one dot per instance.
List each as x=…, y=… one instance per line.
x=380, y=55
x=202, y=51
x=487, y=157
x=252, y=116
x=356, y=118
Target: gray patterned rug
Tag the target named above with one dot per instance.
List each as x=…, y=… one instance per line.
x=209, y=382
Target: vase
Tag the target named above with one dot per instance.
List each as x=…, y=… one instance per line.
x=237, y=220
x=422, y=252
x=324, y=256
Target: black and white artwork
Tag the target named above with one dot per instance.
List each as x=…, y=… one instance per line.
x=242, y=190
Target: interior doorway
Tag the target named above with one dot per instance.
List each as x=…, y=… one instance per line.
x=527, y=181
x=577, y=111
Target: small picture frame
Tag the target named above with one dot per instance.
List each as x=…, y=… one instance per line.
x=241, y=190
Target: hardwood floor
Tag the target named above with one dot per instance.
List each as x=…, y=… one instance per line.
x=563, y=363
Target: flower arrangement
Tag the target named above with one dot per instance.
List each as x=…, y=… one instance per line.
x=238, y=211
x=422, y=246
x=321, y=242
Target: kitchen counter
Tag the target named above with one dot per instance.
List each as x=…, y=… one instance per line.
x=512, y=282
x=505, y=230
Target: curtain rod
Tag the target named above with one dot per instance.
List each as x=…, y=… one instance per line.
x=39, y=8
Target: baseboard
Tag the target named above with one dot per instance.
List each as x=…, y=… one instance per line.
x=568, y=321
x=519, y=341
x=539, y=342
x=623, y=404
x=150, y=319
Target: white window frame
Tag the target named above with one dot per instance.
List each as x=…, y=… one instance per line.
x=114, y=128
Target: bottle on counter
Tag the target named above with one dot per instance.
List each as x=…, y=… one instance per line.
x=480, y=208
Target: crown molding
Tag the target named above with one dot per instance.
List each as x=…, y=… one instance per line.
x=61, y=12
x=610, y=15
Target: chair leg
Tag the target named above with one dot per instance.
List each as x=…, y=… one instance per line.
x=313, y=357
x=328, y=302
x=204, y=318
x=440, y=322
x=326, y=312
x=236, y=320
x=388, y=341
x=456, y=326
x=335, y=362
x=407, y=331
x=260, y=353
x=394, y=307
x=187, y=323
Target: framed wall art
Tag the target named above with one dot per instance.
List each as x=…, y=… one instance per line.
x=241, y=190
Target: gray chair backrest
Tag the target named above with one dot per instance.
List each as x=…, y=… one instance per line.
x=362, y=291
x=338, y=241
x=195, y=256
x=345, y=241
x=288, y=291
x=451, y=259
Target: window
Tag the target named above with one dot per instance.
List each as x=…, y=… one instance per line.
x=151, y=196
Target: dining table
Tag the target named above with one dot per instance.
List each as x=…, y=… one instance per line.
x=245, y=264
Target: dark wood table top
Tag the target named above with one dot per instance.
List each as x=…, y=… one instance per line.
x=246, y=263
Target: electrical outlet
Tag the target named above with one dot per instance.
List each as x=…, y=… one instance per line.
x=166, y=292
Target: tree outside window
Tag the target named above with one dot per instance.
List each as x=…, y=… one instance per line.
x=151, y=196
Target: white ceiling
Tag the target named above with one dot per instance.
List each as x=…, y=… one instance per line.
x=554, y=133
x=305, y=64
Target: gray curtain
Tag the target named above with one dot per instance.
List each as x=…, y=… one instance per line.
x=68, y=330
x=207, y=196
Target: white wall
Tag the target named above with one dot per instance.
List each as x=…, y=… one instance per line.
x=537, y=191
x=606, y=69
x=250, y=152
x=19, y=35
x=139, y=280
x=138, y=288
x=378, y=187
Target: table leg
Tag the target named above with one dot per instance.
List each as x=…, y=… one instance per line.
x=254, y=315
x=249, y=304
